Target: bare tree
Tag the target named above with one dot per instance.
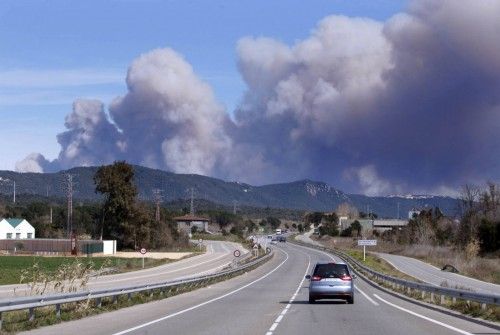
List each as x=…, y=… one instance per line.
x=469, y=197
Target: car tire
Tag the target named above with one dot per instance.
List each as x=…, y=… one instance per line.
x=350, y=300
x=311, y=300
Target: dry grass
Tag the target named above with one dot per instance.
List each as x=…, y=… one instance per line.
x=486, y=269
x=482, y=268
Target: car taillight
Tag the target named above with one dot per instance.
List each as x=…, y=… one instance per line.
x=346, y=277
x=315, y=278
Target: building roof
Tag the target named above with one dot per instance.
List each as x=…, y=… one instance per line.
x=14, y=222
x=189, y=217
x=389, y=223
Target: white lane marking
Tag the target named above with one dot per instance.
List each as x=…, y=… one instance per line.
x=282, y=314
x=423, y=317
x=366, y=296
x=355, y=286
x=100, y=283
x=223, y=245
x=157, y=274
x=212, y=270
x=319, y=251
x=203, y=303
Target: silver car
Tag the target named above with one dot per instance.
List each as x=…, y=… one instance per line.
x=331, y=281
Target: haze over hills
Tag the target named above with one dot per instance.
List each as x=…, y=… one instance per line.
x=302, y=194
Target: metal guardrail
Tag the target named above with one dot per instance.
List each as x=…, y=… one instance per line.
x=32, y=302
x=483, y=298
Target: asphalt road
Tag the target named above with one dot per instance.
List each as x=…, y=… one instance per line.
x=433, y=275
x=218, y=255
x=426, y=272
x=272, y=299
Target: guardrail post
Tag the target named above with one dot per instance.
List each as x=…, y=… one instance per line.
x=115, y=299
x=58, y=311
x=432, y=296
x=129, y=296
x=409, y=290
x=442, y=299
x=454, y=300
x=31, y=314
x=423, y=294
x=483, y=306
x=98, y=302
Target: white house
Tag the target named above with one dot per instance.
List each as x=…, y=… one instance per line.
x=16, y=229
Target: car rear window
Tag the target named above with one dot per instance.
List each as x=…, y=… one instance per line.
x=331, y=270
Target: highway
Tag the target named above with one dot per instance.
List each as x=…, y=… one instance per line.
x=433, y=275
x=218, y=255
x=272, y=299
x=425, y=272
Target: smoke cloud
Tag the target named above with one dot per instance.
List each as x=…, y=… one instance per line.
x=168, y=119
x=407, y=105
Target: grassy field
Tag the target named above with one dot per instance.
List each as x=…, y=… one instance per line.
x=11, y=266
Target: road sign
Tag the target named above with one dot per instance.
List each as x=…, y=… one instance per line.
x=237, y=253
x=255, y=246
x=200, y=241
x=367, y=242
x=268, y=250
x=143, y=251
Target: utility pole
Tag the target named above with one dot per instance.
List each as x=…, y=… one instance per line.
x=68, y=186
x=14, y=191
x=191, y=211
x=157, y=199
x=235, y=206
x=398, y=210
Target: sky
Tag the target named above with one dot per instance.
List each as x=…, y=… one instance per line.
x=211, y=87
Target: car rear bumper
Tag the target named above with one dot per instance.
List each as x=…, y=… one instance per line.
x=336, y=292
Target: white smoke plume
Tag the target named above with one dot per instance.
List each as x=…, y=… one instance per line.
x=168, y=119
x=368, y=106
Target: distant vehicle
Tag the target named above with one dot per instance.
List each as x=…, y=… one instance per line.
x=270, y=236
x=281, y=238
x=278, y=231
x=331, y=281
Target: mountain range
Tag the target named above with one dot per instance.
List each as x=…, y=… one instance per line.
x=301, y=195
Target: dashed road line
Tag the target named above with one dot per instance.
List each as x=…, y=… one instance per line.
x=287, y=307
x=203, y=303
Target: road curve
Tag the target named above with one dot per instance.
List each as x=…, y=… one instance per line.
x=218, y=255
x=433, y=275
x=273, y=299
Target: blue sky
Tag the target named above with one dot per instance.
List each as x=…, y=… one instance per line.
x=52, y=52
